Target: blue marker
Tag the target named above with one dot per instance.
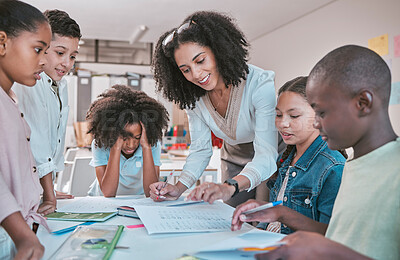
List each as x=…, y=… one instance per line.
x=66, y=230
x=265, y=206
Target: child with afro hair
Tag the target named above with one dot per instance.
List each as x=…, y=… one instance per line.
x=127, y=126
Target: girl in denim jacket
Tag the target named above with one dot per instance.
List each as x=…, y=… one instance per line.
x=309, y=173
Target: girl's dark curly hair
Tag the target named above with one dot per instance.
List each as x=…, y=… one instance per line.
x=210, y=29
x=120, y=105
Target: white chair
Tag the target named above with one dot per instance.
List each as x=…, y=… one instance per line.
x=70, y=154
x=81, y=177
x=63, y=177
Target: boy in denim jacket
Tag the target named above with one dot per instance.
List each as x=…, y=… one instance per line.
x=349, y=90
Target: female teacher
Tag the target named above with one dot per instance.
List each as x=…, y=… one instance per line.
x=201, y=66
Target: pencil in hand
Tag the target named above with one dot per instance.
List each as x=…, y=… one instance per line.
x=165, y=184
x=262, y=207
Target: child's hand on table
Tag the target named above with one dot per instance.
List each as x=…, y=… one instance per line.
x=267, y=215
x=29, y=249
x=47, y=207
x=61, y=195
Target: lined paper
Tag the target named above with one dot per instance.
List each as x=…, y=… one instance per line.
x=191, y=218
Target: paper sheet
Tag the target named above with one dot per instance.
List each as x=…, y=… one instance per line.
x=191, y=218
x=228, y=249
x=97, y=204
x=167, y=203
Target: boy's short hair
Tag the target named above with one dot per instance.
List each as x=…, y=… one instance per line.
x=62, y=24
x=352, y=68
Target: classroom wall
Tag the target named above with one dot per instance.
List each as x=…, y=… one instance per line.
x=294, y=48
x=106, y=68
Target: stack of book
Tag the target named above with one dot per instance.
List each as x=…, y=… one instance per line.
x=127, y=211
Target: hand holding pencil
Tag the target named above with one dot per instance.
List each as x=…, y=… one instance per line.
x=165, y=183
x=161, y=191
x=253, y=210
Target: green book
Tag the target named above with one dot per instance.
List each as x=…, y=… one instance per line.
x=70, y=216
x=90, y=242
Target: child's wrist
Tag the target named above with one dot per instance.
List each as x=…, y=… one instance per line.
x=49, y=196
x=281, y=213
x=181, y=188
x=116, y=148
x=146, y=147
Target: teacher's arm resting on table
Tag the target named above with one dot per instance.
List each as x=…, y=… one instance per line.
x=283, y=214
x=309, y=245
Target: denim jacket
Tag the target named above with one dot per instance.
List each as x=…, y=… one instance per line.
x=313, y=182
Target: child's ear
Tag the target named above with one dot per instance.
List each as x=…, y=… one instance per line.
x=364, y=102
x=3, y=42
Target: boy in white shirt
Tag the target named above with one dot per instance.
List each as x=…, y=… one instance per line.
x=45, y=106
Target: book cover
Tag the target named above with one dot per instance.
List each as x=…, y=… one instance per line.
x=71, y=216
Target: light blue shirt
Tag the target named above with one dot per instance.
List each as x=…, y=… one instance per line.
x=254, y=122
x=47, y=120
x=130, y=170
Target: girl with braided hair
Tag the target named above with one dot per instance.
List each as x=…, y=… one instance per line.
x=127, y=126
x=309, y=173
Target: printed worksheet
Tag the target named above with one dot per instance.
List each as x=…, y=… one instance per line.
x=166, y=203
x=98, y=204
x=201, y=217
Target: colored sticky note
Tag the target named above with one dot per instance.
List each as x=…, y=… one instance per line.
x=379, y=44
x=395, y=94
x=396, y=46
x=135, y=226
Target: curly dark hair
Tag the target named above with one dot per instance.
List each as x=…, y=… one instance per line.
x=62, y=24
x=17, y=16
x=120, y=105
x=210, y=29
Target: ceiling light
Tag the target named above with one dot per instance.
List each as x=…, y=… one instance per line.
x=138, y=33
